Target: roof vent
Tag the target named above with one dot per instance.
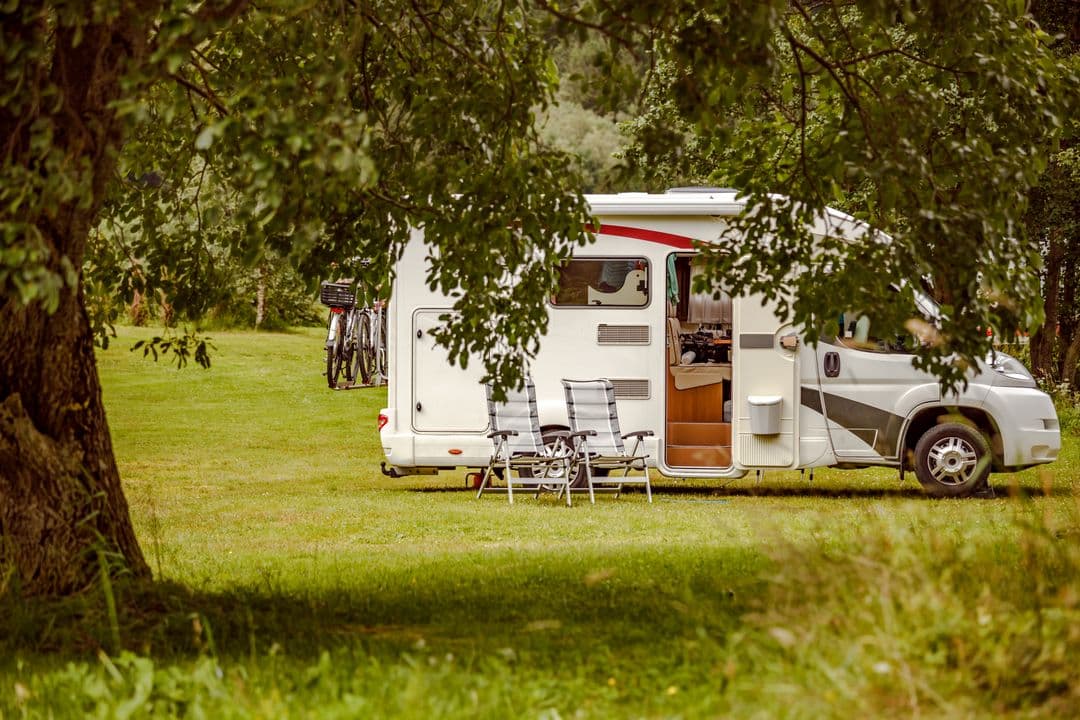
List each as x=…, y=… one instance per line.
x=701, y=189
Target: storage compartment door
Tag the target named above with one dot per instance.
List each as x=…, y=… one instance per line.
x=446, y=398
x=767, y=371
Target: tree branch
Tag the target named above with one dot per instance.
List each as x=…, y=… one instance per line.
x=200, y=92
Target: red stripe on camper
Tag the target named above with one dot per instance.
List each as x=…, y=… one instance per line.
x=679, y=241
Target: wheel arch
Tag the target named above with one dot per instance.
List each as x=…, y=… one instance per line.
x=927, y=417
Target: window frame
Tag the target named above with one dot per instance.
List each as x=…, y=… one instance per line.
x=600, y=258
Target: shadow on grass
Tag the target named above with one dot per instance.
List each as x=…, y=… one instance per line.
x=805, y=489
x=540, y=604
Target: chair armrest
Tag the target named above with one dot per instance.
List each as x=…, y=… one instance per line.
x=639, y=434
x=502, y=433
x=582, y=433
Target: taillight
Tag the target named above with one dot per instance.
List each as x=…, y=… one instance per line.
x=337, y=311
x=383, y=419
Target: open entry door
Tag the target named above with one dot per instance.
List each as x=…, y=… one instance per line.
x=766, y=385
x=697, y=431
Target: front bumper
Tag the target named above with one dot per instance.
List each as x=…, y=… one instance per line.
x=1028, y=424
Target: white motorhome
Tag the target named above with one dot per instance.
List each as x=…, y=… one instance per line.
x=724, y=384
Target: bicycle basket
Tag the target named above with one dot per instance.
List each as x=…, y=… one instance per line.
x=336, y=295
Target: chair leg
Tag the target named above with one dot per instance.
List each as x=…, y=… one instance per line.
x=484, y=480
x=566, y=485
x=588, y=479
x=509, y=483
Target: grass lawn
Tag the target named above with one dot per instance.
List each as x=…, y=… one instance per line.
x=295, y=580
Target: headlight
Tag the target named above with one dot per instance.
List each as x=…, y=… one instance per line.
x=1010, y=367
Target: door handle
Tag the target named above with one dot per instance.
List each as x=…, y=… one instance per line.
x=832, y=364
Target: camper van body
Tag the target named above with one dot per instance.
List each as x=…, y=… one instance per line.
x=762, y=399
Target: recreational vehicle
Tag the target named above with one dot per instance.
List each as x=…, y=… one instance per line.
x=725, y=385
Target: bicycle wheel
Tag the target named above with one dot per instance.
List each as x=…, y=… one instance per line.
x=348, y=348
x=380, y=349
x=330, y=343
x=334, y=356
x=365, y=358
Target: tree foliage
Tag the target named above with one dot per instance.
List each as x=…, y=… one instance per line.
x=930, y=121
x=188, y=133
x=1053, y=220
x=376, y=118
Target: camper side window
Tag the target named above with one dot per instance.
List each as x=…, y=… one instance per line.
x=854, y=331
x=611, y=282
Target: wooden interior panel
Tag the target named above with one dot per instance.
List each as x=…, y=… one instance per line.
x=698, y=433
x=700, y=404
x=698, y=456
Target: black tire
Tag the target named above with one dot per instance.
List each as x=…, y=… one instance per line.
x=330, y=367
x=330, y=355
x=380, y=348
x=335, y=356
x=365, y=354
x=579, y=480
x=952, y=460
x=348, y=355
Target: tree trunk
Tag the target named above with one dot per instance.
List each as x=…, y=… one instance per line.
x=61, y=502
x=138, y=312
x=1068, y=336
x=60, y=496
x=1070, y=362
x=260, y=295
x=1042, y=342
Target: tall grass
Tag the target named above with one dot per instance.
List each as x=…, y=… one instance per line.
x=293, y=579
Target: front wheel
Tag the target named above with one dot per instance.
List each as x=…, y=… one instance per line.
x=952, y=460
x=335, y=357
x=365, y=353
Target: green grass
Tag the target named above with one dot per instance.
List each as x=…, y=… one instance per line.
x=293, y=579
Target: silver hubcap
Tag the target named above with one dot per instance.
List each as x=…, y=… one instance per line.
x=952, y=461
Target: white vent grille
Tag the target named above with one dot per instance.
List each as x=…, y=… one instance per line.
x=772, y=451
x=631, y=388
x=622, y=334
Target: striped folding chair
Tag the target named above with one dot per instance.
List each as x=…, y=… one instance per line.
x=519, y=448
x=597, y=440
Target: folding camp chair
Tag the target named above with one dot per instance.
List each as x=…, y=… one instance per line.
x=519, y=447
x=598, y=442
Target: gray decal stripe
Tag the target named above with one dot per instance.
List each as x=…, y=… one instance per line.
x=755, y=341
x=851, y=414
x=811, y=398
x=858, y=418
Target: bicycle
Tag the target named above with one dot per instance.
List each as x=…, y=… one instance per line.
x=371, y=354
x=342, y=343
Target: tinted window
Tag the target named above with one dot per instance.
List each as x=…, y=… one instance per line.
x=611, y=282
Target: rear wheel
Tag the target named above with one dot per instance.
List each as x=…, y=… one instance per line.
x=365, y=357
x=330, y=367
x=380, y=346
x=332, y=325
x=952, y=460
x=335, y=356
x=349, y=351
x=578, y=480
